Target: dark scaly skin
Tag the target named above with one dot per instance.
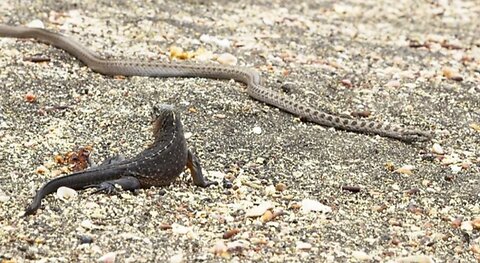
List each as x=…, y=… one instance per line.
x=158, y=165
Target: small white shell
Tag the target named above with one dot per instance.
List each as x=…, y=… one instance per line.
x=361, y=255
x=258, y=210
x=179, y=229
x=436, y=148
x=108, y=258
x=87, y=224
x=219, y=248
x=309, y=205
x=303, y=245
x=270, y=190
x=257, y=130
x=406, y=169
x=65, y=193
x=3, y=197
x=415, y=258
x=227, y=59
x=36, y=24
x=178, y=258
x=225, y=43
x=455, y=168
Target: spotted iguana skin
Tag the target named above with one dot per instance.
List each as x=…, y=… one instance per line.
x=158, y=165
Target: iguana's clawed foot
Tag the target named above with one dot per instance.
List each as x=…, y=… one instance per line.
x=207, y=183
x=109, y=187
x=193, y=165
x=105, y=187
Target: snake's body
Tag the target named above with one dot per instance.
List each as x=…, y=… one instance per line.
x=248, y=76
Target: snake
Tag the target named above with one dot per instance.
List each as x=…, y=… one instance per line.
x=248, y=76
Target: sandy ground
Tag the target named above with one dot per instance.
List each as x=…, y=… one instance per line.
x=406, y=62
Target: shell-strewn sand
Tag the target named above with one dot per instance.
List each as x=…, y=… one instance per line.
x=300, y=192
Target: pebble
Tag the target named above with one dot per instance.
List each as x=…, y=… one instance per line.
x=237, y=245
x=30, y=97
x=204, y=55
x=455, y=168
x=347, y=83
x=225, y=43
x=41, y=169
x=456, y=223
x=267, y=216
x=452, y=74
x=476, y=223
x=36, y=23
x=227, y=184
x=297, y=174
x=451, y=159
x=87, y=224
x=177, y=52
x=259, y=210
x=179, y=229
x=309, y=205
x=406, y=169
x=230, y=233
x=281, y=187
x=188, y=135
x=86, y=239
x=4, y=197
x=260, y=160
x=360, y=255
x=475, y=126
x=65, y=193
x=393, y=84
x=270, y=190
x=216, y=175
x=303, y=245
x=227, y=59
x=467, y=226
x=220, y=249
x=475, y=249
x=177, y=258
x=108, y=258
x=415, y=259
x=220, y=116
x=436, y=148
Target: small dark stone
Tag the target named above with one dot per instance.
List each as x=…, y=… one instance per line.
x=227, y=184
x=287, y=87
x=350, y=188
x=413, y=191
x=429, y=157
x=449, y=177
x=23, y=248
x=85, y=239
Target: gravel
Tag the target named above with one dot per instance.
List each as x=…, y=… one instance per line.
x=406, y=62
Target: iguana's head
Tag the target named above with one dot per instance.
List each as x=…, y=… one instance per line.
x=165, y=119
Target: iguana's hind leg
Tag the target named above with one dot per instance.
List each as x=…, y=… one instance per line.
x=193, y=165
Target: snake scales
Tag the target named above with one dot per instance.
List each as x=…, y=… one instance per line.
x=248, y=76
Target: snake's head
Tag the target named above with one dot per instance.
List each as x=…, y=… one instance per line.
x=416, y=136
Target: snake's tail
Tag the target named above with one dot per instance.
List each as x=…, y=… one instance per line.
x=311, y=114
